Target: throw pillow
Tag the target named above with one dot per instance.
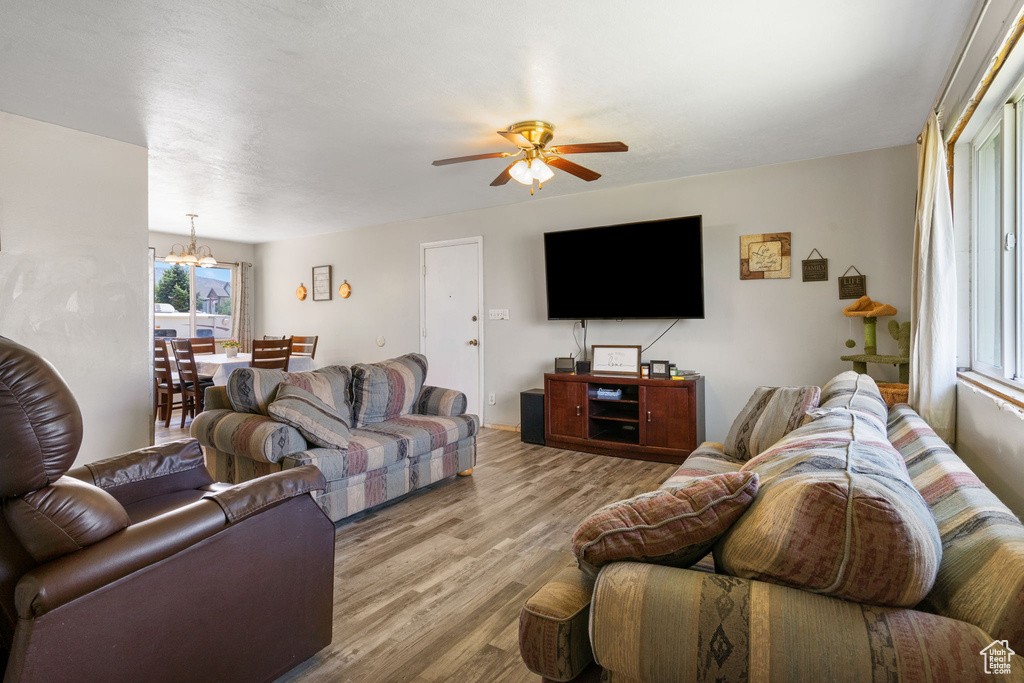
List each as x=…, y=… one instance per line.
x=251, y=390
x=674, y=526
x=387, y=389
x=838, y=515
x=770, y=414
x=316, y=421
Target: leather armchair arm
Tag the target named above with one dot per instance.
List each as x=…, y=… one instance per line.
x=60, y=581
x=246, y=499
x=147, y=472
x=440, y=402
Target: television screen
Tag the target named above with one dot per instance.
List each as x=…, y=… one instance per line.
x=653, y=269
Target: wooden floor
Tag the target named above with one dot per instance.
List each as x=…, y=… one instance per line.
x=429, y=588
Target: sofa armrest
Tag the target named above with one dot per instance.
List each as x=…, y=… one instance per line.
x=654, y=623
x=440, y=402
x=216, y=398
x=147, y=472
x=258, y=437
x=553, y=639
x=246, y=499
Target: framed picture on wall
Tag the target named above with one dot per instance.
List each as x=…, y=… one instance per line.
x=615, y=360
x=322, y=290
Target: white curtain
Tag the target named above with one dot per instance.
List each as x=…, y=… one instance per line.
x=933, y=309
x=241, y=311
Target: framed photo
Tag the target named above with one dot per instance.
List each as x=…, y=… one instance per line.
x=322, y=290
x=615, y=360
x=661, y=369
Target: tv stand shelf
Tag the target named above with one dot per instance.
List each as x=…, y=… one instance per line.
x=656, y=419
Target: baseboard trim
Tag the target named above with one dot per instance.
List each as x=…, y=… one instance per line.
x=504, y=428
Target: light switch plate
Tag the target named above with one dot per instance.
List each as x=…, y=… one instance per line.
x=497, y=314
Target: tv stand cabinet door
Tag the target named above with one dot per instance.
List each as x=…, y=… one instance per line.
x=567, y=409
x=667, y=417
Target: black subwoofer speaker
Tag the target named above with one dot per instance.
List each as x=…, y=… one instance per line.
x=531, y=412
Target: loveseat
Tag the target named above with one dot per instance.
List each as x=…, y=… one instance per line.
x=642, y=621
x=402, y=434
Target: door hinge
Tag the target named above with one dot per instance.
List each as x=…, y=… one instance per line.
x=424, y=332
x=1011, y=241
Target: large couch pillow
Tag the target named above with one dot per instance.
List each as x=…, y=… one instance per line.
x=318, y=422
x=252, y=390
x=853, y=391
x=770, y=414
x=674, y=526
x=387, y=389
x=837, y=515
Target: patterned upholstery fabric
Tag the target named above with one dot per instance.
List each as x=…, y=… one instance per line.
x=859, y=393
x=674, y=526
x=319, y=423
x=837, y=515
x=251, y=390
x=770, y=414
x=387, y=389
x=981, y=578
x=651, y=623
x=553, y=639
x=438, y=401
x=707, y=459
x=258, y=437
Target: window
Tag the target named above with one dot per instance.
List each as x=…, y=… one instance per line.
x=188, y=298
x=997, y=345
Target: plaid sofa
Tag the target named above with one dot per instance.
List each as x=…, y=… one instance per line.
x=423, y=436
x=643, y=622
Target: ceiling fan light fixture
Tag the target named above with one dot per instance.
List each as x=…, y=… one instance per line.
x=521, y=172
x=541, y=171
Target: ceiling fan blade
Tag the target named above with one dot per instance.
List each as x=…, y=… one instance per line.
x=570, y=167
x=589, y=147
x=504, y=176
x=516, y=139
x=472, y=157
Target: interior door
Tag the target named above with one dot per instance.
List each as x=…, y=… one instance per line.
x=666, y=416
x=451, y=329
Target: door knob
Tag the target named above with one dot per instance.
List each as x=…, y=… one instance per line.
x=474, y=318
x=473, y=342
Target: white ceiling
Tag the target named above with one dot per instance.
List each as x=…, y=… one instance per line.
x=287, y=118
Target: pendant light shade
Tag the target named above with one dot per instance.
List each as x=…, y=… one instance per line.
x=200, y=256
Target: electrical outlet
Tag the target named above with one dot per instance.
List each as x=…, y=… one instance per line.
x=490, y=399
x=503, y=313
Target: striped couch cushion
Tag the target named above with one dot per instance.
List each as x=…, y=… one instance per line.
x=379, y=445
x=438, y=401
x=257, y=437
x=252, y=390
x=837, y=515
x=674, y=526
x=553, y=638
x=770, y=414
x=319, y=423
x=387, y=389
x=709, y=458
x=852, y=391
x=981, y=578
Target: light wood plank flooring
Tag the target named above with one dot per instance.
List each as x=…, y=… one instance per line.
x=429, y=588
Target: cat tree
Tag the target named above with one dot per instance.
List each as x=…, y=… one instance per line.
x=871, y=311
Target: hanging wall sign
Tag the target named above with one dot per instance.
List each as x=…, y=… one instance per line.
x=815, y=269
x=765, y=256
x=853, y=286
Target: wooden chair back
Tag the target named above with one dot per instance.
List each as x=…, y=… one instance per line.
x=201, y=345
x=162, y=369
x=271, y=354
x=268, y=337
x=304, y=346
x=184, y=359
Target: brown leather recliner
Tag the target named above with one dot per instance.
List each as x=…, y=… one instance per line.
x=140, y=567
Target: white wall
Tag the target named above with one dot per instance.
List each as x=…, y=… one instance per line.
x=73, y=270
x=856, y=209
x=990, y=439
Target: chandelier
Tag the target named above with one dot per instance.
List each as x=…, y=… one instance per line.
x=201, y=256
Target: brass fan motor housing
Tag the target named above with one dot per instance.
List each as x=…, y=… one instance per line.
x=537, y=132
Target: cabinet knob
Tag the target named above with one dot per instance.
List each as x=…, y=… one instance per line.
x=579, y=411
x=473, y=342
x=649, y=416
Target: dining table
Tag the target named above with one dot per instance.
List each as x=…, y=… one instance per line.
x=219, y=365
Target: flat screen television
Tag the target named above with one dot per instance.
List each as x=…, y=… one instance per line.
x=652, y=269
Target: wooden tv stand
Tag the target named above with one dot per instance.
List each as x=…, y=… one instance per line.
x=656, y=419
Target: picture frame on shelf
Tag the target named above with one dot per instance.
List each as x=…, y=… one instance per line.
x=615, y=359
x=322, y=290
x=660, y=369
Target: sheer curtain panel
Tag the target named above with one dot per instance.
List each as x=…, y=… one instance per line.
x=241, y=321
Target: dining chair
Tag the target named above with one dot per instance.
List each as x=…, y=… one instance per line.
x=304, y=346
x=268, y=337
x=193, y=386
x=271, y=354
x=165, y=383
x=203, y=345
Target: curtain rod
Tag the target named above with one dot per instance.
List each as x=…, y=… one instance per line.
x=963, y=54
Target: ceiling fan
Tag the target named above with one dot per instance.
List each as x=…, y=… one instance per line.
x=531, y=137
